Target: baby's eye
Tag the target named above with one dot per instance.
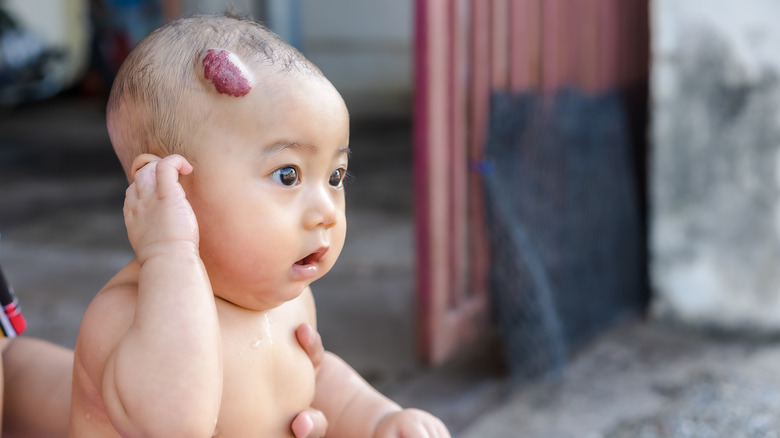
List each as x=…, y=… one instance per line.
x=337, y=178
x=287, y=176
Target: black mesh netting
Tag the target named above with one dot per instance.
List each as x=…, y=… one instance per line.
x=565, y=230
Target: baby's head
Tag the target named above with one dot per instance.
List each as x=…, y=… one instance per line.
x=173, y=81
x=268, y=139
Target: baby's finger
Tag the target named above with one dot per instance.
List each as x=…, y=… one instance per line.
x=144, y=174
x=311, y=342
x=131, y=197
x=441, y=430
x=168, y=170
x=437, y=431
x=310, y=423
x=144, y=180
x=434, y=427
x=420, y=430
x=141, y=161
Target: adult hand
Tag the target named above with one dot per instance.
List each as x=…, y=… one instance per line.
x=310, y=423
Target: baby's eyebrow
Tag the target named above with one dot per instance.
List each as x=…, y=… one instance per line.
x=278, y=147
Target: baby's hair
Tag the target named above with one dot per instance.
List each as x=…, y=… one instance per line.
x=149, y=108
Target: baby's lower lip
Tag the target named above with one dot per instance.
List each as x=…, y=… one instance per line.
x=305, y=272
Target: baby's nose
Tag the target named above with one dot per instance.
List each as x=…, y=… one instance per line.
x=322, y=210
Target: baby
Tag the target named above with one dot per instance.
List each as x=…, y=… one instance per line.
x=236, y=147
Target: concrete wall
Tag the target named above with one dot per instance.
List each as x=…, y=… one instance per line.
x=715, y=224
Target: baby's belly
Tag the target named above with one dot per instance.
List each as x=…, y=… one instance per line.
x=264, y=388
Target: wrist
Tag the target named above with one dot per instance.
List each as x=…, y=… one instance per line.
x=172, y=249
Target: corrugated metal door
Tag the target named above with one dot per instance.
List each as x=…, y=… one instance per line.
x=464, y=50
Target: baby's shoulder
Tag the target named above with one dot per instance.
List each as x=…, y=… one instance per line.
x=119, y=294
x=111, y=311
x=107, y=318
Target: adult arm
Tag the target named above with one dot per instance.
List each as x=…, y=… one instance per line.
x=36, y=388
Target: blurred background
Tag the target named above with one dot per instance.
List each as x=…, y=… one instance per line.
x=564, y=216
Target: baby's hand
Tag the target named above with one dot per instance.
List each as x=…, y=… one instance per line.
x=411, y=423
x=311, y=342
x=157, y=213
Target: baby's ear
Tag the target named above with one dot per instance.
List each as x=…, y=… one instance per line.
x=141, y=161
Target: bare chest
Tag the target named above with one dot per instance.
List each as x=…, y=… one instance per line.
x=267, y=380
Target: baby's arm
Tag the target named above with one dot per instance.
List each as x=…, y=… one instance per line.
x=355, y=409
x=164, y=377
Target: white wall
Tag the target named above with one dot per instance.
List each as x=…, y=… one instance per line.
x=62, y=24
x=365, y=48
x=218, y=6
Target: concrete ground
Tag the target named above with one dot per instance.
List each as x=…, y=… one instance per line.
x=649, y=380
x=62, y=232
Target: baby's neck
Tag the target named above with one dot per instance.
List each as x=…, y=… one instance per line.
x=258, y=309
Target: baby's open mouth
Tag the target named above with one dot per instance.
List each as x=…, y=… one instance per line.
x=312, y=258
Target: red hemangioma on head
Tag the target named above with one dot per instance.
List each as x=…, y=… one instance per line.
x=224, y=70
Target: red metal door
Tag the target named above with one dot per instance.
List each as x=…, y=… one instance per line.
x=449, y=123
x=464, y=49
